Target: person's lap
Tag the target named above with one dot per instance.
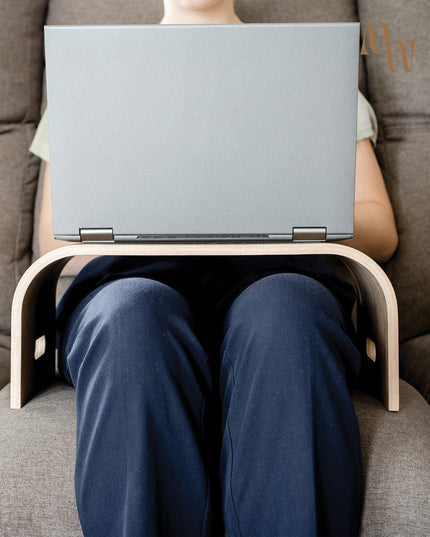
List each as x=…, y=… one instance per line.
x=247, y=375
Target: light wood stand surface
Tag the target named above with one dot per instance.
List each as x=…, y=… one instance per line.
x=33, y=307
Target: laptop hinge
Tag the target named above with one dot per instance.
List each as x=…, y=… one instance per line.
x=96, y=234
x=304, y=234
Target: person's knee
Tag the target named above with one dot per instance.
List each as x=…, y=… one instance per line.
x=126, y=320
x=286, y=299
x=279, y=314
x=134, y=302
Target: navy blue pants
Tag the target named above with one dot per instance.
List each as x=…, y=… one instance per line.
x=180, y=433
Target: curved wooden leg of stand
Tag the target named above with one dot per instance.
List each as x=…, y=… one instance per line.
x=33, y=307
x=379, y=325
x=33, y=331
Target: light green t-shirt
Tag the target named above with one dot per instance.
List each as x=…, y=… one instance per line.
x=367, y=127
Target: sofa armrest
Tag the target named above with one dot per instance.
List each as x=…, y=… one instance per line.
x=33, y=307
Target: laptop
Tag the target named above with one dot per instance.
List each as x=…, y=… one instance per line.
x=201, y=133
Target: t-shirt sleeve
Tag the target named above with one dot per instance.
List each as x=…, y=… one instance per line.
x=40, y=144
x=367, y=125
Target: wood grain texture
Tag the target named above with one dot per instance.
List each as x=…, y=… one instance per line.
x=33, y=307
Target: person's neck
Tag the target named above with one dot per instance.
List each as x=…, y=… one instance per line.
x=216, y=15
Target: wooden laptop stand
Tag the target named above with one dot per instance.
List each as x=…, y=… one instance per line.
x=33, y=307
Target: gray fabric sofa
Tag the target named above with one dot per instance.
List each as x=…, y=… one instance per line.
x=37, y=443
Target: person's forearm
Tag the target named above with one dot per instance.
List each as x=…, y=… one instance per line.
x=47, y=242
x=375, y=231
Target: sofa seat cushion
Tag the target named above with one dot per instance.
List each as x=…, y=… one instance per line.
x=37, y=465
x=396, y=464
x=38, y=449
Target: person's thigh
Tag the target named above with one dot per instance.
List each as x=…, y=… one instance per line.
x=142, y=388
x=290, y=459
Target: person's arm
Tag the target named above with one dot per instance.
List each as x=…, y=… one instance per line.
x=375, y=231
x=46, y=237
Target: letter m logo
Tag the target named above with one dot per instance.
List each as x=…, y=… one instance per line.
x=399, y=46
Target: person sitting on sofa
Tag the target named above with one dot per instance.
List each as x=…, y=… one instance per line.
x=215, y=392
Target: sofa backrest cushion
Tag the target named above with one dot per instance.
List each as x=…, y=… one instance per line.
x=401, y=101
x=21, y=69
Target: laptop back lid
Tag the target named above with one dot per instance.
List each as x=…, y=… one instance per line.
x=203, y=132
